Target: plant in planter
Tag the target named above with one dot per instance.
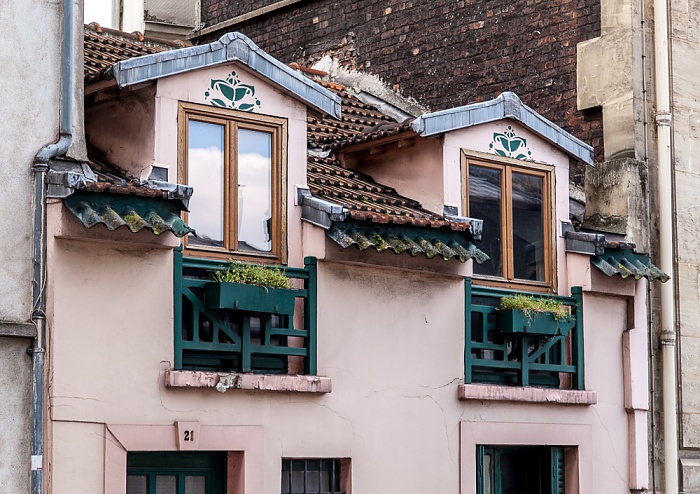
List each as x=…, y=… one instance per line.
x=526, y=314
x=250, y=288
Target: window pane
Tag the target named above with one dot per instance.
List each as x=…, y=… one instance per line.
x=195, y=485
x=485, y=204
x=166, y=484
x=528, y=227
x=298, y=481
x=254, y=190
x=205, y=172
x=136, y=484
x=487, y=474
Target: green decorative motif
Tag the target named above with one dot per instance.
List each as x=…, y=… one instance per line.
x=232, y=93
x=509, y=145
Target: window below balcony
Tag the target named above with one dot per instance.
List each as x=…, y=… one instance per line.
x=175, y=473
x=537, y=356
x=520, y=470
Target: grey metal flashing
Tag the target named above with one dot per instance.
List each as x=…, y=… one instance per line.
x=231, y=47
x=507, y=105
x=477, y=226
x=592, y=244
x=17, y=329
x=318, y=211
x=65, y=177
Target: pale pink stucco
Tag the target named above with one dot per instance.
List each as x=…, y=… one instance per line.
x=246, y=476
x=390, y=337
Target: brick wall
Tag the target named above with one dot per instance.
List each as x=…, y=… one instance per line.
x=449, y=54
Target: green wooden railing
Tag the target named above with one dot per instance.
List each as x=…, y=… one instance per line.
x=519, y=359
x=240, y=341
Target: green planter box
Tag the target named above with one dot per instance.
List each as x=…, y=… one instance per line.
x=249, y=298
x=544, y=323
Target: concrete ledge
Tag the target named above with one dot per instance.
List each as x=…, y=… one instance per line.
x=223, y=381
x=485, y=392
x=17, y=329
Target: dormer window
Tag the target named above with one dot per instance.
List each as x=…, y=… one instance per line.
x=235, y=162
x=515, y=202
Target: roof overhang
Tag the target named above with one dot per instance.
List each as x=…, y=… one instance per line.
x=507, y=105
x=433, y=243
x=231, y=47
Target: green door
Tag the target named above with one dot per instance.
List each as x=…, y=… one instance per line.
x=176, y=473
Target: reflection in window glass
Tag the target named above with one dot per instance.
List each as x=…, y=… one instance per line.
x=487, y=474
x=485, y=196
x=528, y=227
x=254, y=191
x=205, y=172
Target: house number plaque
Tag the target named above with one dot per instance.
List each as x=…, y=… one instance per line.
x=187, y=436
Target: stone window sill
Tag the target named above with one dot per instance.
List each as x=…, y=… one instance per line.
x=223, y=381
x=485, y=392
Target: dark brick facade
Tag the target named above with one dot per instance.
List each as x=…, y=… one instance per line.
x=442, y=53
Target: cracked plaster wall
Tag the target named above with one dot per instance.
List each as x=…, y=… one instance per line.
x=30, y=82
x=391, y=340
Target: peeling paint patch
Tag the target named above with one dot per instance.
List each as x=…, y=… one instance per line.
x=224, y=381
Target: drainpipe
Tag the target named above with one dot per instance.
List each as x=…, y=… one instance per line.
x=667, y=290
x=40, y=167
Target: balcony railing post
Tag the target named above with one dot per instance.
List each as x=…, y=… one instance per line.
x=246, y=359
x=467, y=330
x=311, y=315
x=177, y=306
x=524, y=361
x=577, y=340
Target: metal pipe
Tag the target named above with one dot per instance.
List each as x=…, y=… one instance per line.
x=40, y=167
x=667, y=290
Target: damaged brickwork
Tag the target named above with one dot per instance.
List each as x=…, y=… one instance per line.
x=450, y=54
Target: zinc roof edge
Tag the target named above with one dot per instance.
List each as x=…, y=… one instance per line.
x=506, y=105
x=232, y=47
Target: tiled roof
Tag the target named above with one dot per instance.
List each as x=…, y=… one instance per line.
x=367, y=200
x=625, y=262
x=136, y=213
x=104, y=47
x=357, y=119
x=413, y=241
x=98, y=192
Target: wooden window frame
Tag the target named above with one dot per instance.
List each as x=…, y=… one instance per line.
x=507, y=166
x=232, y=120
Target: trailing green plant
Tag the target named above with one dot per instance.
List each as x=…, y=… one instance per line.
x=531, y=306
x=252, y=274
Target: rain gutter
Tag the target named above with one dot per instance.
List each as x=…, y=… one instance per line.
x=667, y=291
x=40, y=168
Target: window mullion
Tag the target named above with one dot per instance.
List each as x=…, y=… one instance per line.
x=507, y=222
x=231, y=187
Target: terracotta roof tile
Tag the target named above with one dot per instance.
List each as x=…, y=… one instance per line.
x=367, y=200
x=358, y=118
x=105, y=47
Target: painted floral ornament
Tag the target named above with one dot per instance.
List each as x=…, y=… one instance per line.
x=232, y=93
x=508, y=145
